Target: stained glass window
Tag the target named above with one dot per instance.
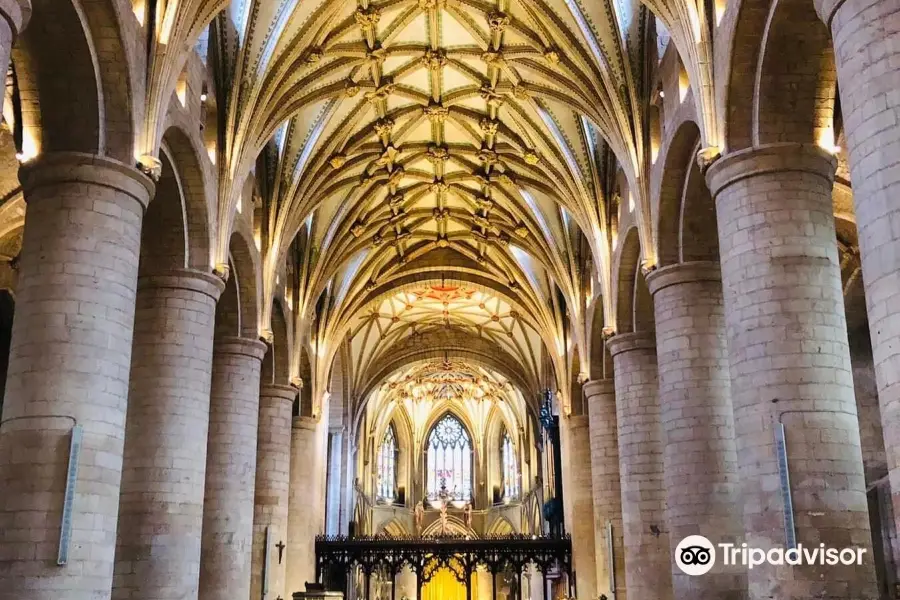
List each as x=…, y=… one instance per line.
x=448, y=460
x=387, y=465
x=509, y=466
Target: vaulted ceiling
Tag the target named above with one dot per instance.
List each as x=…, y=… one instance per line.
x=415, y=140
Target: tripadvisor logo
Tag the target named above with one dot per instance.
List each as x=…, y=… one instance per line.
x=696, y=555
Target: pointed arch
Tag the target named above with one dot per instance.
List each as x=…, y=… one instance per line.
x=387, y=465
x=449, y=458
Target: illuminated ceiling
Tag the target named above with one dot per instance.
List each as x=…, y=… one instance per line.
x=417, y=138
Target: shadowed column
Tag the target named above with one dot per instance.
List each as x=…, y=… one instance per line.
x=230, y=469
x=69, y=364
x=578, y=501
x=699, y=458
x=790, y=364
x=270, y=510
x=301, y=528
x=648, y=566
x=161, y=506
x=867, y=54
x=607, y=491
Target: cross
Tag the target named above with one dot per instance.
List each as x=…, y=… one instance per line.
x=280, y=545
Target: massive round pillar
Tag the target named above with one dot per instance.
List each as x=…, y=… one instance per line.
x=648, y=566
x=230, y=469
x=270, y=511
x=790, y=365
x=600, y=396
x=699, y=457
x=867, y=55
x=578, y=501
x=68, y=366
x=161, y=507
x=301, y=526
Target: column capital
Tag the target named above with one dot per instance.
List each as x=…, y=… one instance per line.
x=625, y=342
x=276, y=390
x=769, y=158
x=240, y=346
x=301, y=422
x=688, y=272
x=599, y=387
x=184, y=279
x=54, y=168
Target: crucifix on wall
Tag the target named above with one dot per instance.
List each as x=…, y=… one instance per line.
x=280, y=545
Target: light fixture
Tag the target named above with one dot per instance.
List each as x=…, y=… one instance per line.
x=203, y=97
x=662, y=94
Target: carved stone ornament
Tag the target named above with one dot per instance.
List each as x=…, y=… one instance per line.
x=531, y=157
x=150, y=166
x=551, y=56
x=436, y=113
x=337, y=161
x=367, y=18
x=498, y=21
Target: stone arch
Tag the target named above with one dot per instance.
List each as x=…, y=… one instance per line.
x=403, y=434
x=600, y=359
x=276, y=366
x=686, y=225
x=576, y=396
x=455, y=526
x=501, y=526
x=84, y=102
x=193, y=185
x=245, y=273
x=678, y=160
x=303, y=403
x=393, y=528
x=789, y=99
x=796, y=78
x=163, y=233
x=451, y=344
x=634, y=304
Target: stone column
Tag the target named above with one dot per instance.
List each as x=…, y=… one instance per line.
x=14, y=16
x=866, y=52
x=790, y=364
x=68, y=365
x=230, y=469
x=607, y=492
x=648, y=566
x=161, y=505
x=302, y=510
x=270, y=510
x=699, y=458
x=578, y=501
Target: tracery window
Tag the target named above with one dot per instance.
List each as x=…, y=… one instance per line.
x=387, y=465
x=448, y=460
x=509, y=466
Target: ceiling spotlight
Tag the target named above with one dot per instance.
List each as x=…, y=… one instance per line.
x=203, y=97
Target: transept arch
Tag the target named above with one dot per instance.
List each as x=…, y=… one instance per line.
x=85, y=102
x=179, y=148
x=786, y=100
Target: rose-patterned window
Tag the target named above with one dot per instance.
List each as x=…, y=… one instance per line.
x=448, y=460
